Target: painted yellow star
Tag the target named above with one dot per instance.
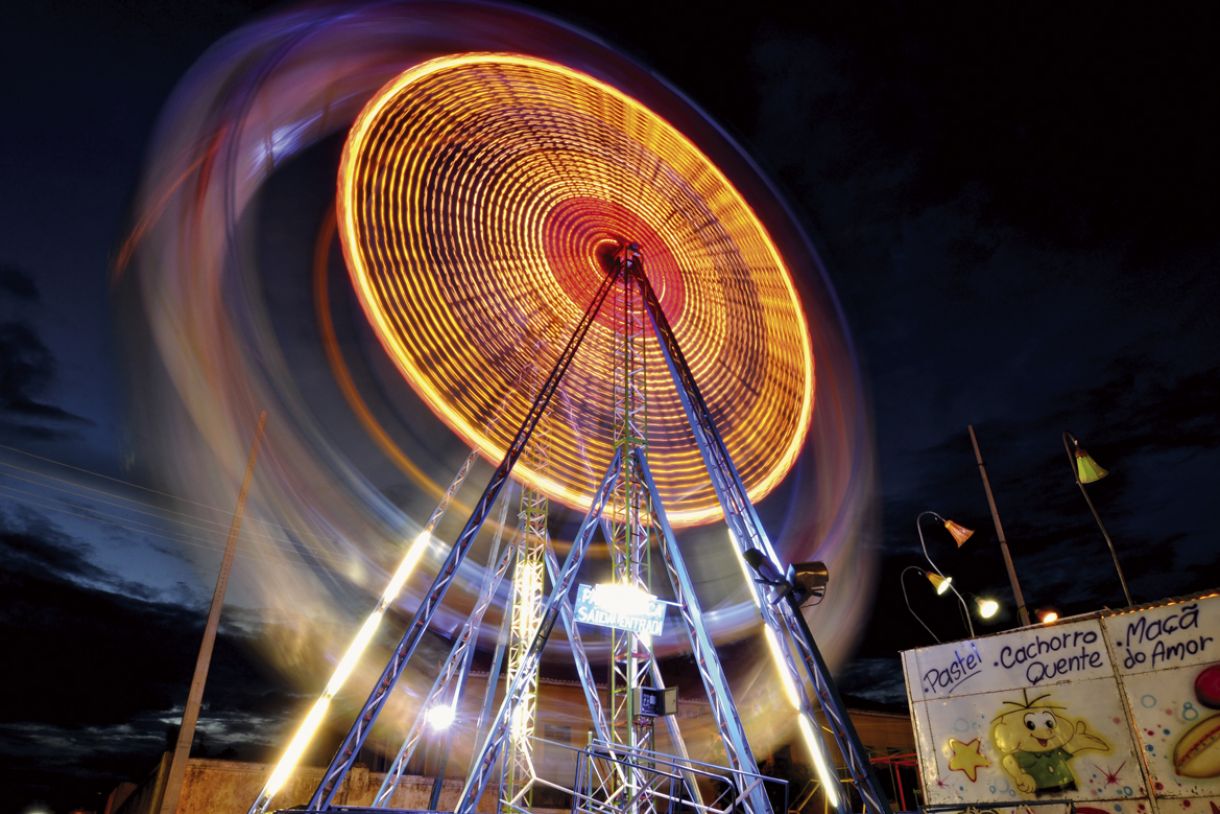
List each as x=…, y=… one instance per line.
x=967, y=757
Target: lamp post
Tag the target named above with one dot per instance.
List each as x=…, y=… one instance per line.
x=986, y=607
x=902, y=582
x=1086, y=470
x=1022, y=611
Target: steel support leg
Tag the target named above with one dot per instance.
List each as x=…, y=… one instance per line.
x=456, y=664
x=485, y=761
x=748, y=532
x=724, y=711
x=323, y=797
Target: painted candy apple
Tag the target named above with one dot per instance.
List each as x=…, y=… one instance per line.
x=1207, y=687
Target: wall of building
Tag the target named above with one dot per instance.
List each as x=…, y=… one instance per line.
x=230, y=786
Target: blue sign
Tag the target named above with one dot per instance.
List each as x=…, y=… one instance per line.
x=620, y=606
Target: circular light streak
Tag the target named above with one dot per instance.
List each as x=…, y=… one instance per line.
x=476, y=194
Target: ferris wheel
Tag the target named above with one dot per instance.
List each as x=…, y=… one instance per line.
x=577, y=286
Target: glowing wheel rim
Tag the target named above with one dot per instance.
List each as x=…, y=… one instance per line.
x=475, y=194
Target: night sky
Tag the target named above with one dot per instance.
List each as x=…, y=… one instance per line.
x=1017, y=206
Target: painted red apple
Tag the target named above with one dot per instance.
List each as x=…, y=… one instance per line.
x=1207, y=687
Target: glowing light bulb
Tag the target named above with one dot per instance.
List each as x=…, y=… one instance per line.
x=939, y=582
x=441, y=716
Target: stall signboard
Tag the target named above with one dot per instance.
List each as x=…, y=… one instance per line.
x=1112, y=713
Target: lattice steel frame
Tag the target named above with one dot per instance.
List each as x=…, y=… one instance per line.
x=452, y=676
x=784, y=620
x=516, y=784
x=629, y=516
x=323, y=797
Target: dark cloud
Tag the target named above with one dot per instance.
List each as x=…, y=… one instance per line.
x=17, y=284
x=1012, y=207
x=95, y=670
x=28, y=369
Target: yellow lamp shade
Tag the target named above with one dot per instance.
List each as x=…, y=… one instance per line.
x=987, y=607
x=940, y=583
x=960, y=533
x=1087, y=469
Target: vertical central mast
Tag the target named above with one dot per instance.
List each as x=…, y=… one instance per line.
x=516, y=788
x=630, y=517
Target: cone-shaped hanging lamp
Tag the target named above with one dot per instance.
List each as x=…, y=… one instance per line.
x=1087, y=469
x=959, y=532
x=987, y=607
x=940, y=583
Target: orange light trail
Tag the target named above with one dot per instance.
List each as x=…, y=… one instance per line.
x=474, y=194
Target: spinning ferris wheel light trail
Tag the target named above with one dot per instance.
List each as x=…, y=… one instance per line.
x=495, y=206
x=488, y=205
x=504, y=180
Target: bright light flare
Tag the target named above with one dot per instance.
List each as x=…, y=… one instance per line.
x=1047, y=616
x=987, y=608
x=626, y=598
x=344, y=668
x=441, y=716
x=296, y=747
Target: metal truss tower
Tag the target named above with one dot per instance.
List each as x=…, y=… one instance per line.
x=630, y=523
x=628, y=498
x=516, y=786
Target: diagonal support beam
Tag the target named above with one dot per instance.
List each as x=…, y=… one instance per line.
x=485, y=761
x=583, y=669
x=724, y=711
x=456, y=665
x=323, y=797
x=747, y=532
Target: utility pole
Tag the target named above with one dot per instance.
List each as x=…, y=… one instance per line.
x=190, y=714
x=1022, y=611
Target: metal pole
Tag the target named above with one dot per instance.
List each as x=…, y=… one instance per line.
x=1068, y=439
x=923, y=544
x=906, y=598
x=1022, y=611
x=190, y=714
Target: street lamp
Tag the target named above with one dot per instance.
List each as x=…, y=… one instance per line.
x=1086, y=470
x=959, y=533
x=941, y=584
x=984, y=606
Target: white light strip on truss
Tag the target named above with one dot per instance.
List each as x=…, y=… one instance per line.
x=828, y=779
x=345, y=667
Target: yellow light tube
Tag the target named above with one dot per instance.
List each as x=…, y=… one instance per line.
x=344, y=669
x=829, y=781
x=781, y=666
